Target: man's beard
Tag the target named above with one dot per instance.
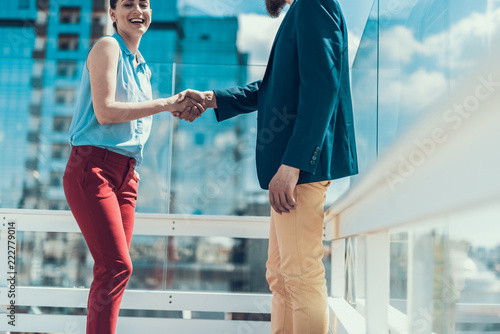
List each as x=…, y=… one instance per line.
x=274, y=7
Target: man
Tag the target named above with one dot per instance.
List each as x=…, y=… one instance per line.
x=305, y=140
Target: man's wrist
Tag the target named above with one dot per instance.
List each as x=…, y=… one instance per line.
x=295, y=169
x=210, y=99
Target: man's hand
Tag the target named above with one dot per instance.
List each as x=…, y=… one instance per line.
x=179, y=106
x=187, y=105
x=205, y=99
x=281, y=189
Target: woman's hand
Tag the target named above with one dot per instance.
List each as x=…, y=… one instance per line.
x=206, y=99
x=189, y=108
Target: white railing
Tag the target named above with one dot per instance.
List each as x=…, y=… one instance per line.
x=146, y=224
x=444, y=168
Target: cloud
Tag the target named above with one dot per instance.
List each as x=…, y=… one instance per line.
x=256, y=35
x=458, y=47
x=468, y=39
x=354, y=41
x=429, y=85
x=416, y=71
x=418, y=91
x=399, y=44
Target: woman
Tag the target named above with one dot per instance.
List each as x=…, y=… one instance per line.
x=111, y=124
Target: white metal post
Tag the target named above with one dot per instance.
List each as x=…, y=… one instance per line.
x=337, y=289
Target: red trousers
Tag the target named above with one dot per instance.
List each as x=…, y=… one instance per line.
x=101, y=190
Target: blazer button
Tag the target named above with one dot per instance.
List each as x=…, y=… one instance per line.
x=314, y=158
x=313, y=162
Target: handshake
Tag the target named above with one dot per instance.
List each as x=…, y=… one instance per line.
x=191, y=104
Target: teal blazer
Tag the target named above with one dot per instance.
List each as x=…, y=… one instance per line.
x=305, y=117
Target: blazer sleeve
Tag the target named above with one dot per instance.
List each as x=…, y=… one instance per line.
x=320, y=46
x=237, y=100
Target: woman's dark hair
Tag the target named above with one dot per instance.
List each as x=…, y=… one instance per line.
x=112, y=5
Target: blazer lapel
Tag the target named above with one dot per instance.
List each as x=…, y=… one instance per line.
x=270, y=60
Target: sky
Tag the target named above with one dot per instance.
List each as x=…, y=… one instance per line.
x=257, y=29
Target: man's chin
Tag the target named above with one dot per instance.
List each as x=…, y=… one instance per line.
x=274, y=7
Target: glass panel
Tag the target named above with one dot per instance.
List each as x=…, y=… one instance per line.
x=414, y=68
x=216, y=264
x=53, y=259
x=215, y=173
x=155, y=171
x=358, y=271
x=472, y=297
x=423, y=274
x=364, y=93
x=453, y=273
x=352, y=256
x=398, y=270
x=172, y=263
x=428, y=49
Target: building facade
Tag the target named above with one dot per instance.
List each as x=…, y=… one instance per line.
x=196, y=52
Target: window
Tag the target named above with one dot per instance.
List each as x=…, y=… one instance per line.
x=62, y=123
x=66, y=69
x=40, y=43
x=65, y=96
x=57, y=205
x=24, y=4
x=68, y=42
x=37, y=96
x=98, y=26
x=60, y=150
x=69, y=15
x=38, y=68
x=56, y=179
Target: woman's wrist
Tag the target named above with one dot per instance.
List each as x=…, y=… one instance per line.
x=168, y=103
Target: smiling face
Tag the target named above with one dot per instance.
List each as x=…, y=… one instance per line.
x=131, y=17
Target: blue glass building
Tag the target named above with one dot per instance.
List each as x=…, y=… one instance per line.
x=19, y=89
x=44, y=55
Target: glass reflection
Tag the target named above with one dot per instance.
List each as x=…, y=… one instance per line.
x=398, y=270
x=472, y=255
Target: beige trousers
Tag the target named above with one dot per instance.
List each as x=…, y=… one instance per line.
x=295, y=270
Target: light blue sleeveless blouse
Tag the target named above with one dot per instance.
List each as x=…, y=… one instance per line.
x=132, y=85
